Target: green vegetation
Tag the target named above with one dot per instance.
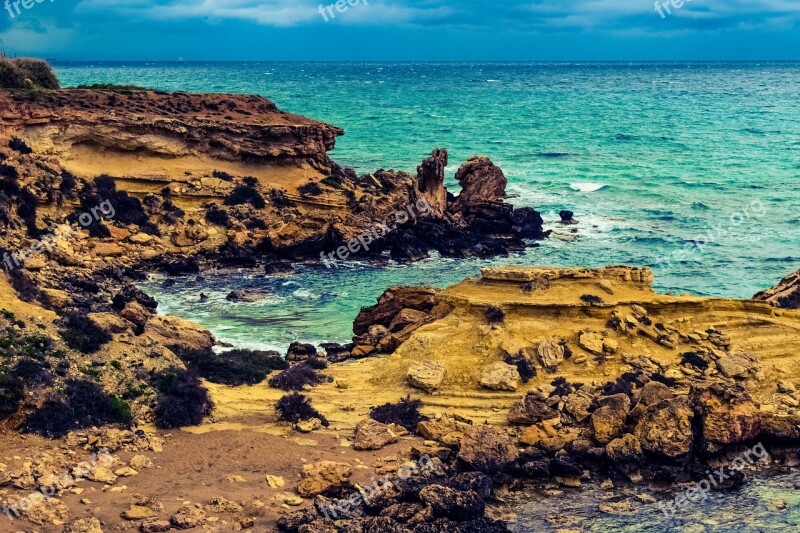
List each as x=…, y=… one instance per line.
x=81, y=334
x=235, y=367
x=112, y=87
x=26, y=73
x=182, y=400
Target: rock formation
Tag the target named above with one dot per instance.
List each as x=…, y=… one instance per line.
x=785, y=294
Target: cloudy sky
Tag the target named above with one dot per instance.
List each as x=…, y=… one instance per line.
x=402, y=30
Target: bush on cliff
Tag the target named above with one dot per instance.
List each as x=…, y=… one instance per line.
x=494, y=315
x=181, y=401
x=246, y=194
x=15, y=72
x=12, y=392
x=297, y=377
x=216, y=215
x=80, y=333
x=235, y=367
x=295, y=408
x=81, y=405
x=403, y=413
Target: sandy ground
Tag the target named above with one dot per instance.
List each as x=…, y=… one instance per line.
x=195, y=468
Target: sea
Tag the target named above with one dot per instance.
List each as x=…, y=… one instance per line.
x=692, y=169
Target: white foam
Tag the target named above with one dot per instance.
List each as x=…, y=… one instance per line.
x=586, y=186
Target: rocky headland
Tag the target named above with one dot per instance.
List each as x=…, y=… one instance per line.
x=452, y=399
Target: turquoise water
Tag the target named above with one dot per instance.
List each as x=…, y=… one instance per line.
x=649, y=156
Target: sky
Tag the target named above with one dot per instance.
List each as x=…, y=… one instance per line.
x=402, y=30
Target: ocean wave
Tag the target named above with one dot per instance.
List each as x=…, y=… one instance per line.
x=587, y=186
x=305, y=294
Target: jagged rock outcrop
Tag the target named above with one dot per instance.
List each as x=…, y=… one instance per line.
x=481, y=182
x=430, y=182
x=785, y=294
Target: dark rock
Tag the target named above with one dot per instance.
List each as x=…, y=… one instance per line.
x=487, y=448
x=665, y=429
x=785, y=294
x=530, y=410
x=481, y=181
x=475, y=481
x=567, y=217
x=300, y=352
x=452, y=504
x=430, y=182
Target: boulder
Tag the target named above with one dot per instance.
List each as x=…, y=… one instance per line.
x=481, y=181
x=155, y=525
x=530, y=410
x=501, y=377
x=665, y=429
x=729, y=415
x=319, y=477
x=737, y=365
x=85, y=525
x=172, y=331
x=429, y=186
x=486, y=448
x=625, y=453
x=391, y=302
x=551, y=353
x=591, y=342
x=188, y=517
x=453, y=504
x=246, y=296
x=608, y=421
x=426, y=375
x=300, y=352
x=785, y=294
x=372, y=435
x=651, y=393
x=408, y=317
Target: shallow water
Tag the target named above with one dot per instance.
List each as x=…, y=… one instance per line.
x=750, y=508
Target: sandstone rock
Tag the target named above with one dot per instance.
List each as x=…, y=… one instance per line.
x=55, y=299
x=426, y=375
x=665, y=429
x=591, y=342
x=85, y=525
x=275, y=482
x=551, y=353
x=448, y=430
x=140, y=462
x=108, y=322
x=530, y=410
x=187, y=518
x=319, y=477
x=487, y=448
x=607, y=423
x=577, y=405
x=136, y=313
x=103, y=249
x=501, y=377
x=652, y=393
x=785, y=294
x=155, y=525
x=372, y=435
x=606, y=286
x=50, y=511
x=452, y=504
x=137, y=512
x=729, y=414
x=430, y=182
x=171, y=331
x=481, y=181
x=221, y=505
x=737, y=365
x=309, y=425
x=391, y=303
x=408, y=317
x=141, y=238
x=625, y=453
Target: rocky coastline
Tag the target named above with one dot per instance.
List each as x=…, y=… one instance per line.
x=452, y=399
